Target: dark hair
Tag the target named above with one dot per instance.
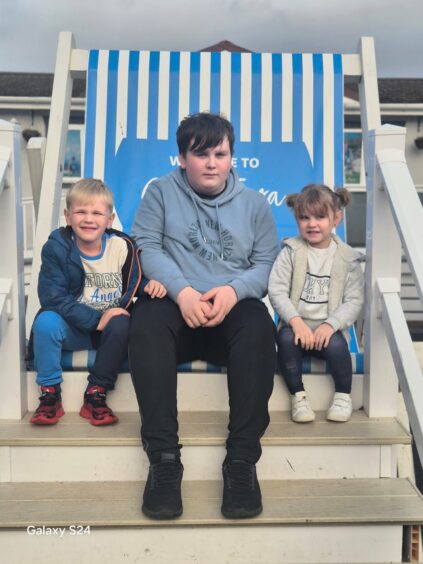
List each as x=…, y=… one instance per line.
x=318, y=199
x=201, y=131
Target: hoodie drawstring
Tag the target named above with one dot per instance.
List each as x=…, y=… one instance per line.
x=202, y=229
x=220, y=230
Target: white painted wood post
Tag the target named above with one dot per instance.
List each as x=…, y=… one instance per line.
x=383, y=260
x=13, y=393
x=51, y=186
x=368, y=94
x=36, y=150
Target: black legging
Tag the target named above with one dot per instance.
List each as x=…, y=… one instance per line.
x=244, y=342
x=336, y=354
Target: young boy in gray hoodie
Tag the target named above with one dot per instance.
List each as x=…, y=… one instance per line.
x=211, y=242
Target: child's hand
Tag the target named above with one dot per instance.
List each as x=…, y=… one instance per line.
x=322, y=335
x=155, y=290
x=107, y=316
x=303, y=335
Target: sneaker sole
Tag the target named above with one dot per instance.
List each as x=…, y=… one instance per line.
x=338, y=419
x=162, y=514
x=307, y=420
x=52, y=421
x=241, y=513
x=97, y=422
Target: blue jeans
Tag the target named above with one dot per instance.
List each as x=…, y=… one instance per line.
x=52, y=334
x=336, y=354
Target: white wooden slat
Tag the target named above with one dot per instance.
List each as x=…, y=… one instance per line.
x=163, y=95
x=308, y=104
x=143, y=94
x=205, y=81
x=184, y=84
x=287, y=94
x=328, y=121
x=266, y=97
x=225, y=84
x=245, y=103
x=122, y=98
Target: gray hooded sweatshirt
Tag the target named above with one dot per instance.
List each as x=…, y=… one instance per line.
x=346, y=290
x=187, y=240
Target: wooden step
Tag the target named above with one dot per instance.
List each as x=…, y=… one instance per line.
x=324, y=521
x=196, y=392
x=117, y=504
x=74, y=450
x=205, y=428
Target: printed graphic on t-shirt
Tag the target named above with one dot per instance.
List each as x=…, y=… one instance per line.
x=102, y=291
x=316, y=289
x=103, y=275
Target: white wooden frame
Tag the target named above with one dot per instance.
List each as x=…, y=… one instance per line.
x=381, y=389
x=72, y=63
x=13, y=390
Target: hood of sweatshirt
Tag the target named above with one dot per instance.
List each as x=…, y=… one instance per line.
x=347, y=253
x=232, y=189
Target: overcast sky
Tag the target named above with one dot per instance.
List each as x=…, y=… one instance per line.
x=29, y=28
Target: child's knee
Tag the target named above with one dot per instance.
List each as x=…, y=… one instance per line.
x=119, y=325
x=337, y=343
x=285, y=337
x=48, y=323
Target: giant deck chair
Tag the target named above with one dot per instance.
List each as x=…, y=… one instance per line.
x=287, y=111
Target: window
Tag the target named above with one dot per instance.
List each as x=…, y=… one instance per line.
x=73, y=164
x=353, y=163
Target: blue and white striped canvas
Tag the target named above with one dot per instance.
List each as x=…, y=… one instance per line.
x=84, y=360
x=287, y=110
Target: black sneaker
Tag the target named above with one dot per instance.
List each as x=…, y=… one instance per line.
x=241, y=490
x=162, y=493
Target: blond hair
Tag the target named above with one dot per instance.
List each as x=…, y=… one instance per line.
x=87, y=189
x=318, y=199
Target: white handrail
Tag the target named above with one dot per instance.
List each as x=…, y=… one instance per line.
x=405, y=359
x=406, y=209
x=396, y=216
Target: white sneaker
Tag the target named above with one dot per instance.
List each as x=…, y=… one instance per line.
x=341, y=408
x=301, y=411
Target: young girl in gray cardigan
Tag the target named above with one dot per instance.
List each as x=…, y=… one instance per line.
x=317, y=288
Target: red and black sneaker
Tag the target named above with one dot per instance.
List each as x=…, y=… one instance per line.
x=50, y=409
x=95, y=408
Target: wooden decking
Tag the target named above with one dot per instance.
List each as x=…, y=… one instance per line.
x=206, y=428
x=117, y=504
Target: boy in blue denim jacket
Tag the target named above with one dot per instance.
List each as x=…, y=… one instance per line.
x=89, y=276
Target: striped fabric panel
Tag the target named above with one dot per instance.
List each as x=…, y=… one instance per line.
x=84, y=360
x=287, y=111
